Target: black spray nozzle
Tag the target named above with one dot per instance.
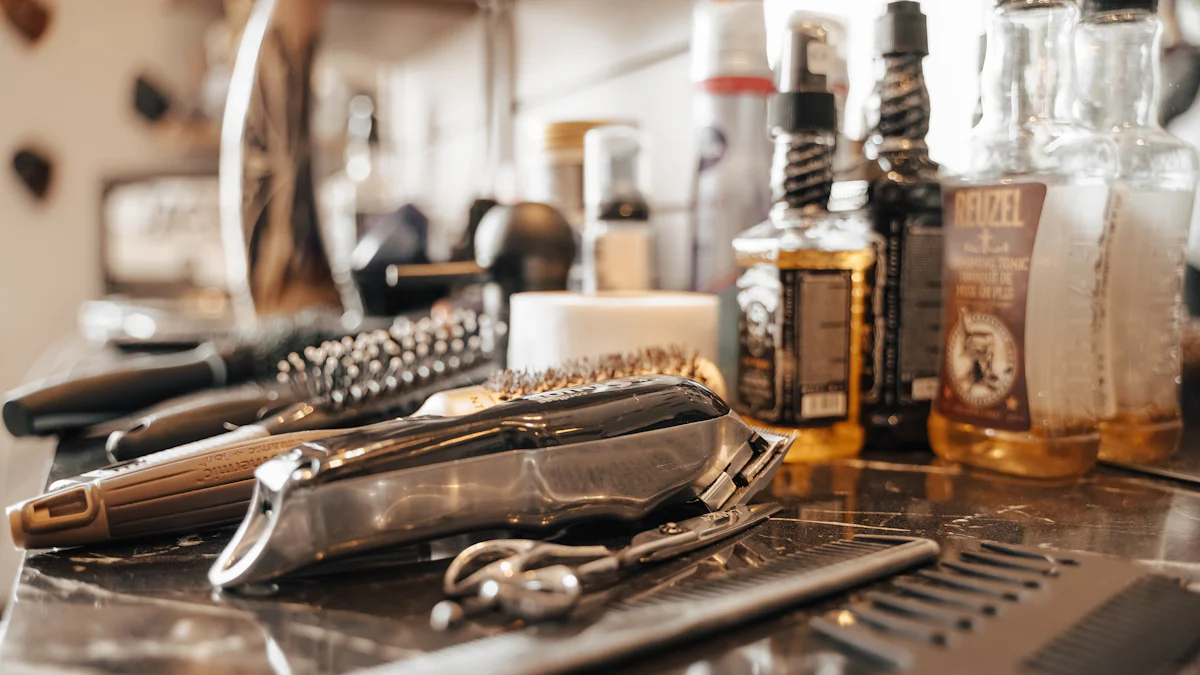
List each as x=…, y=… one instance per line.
x=902, y=29
x=803, y=111
x=803, y=102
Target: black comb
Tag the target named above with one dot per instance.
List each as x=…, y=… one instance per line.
x=998, y=609
x=684, y=612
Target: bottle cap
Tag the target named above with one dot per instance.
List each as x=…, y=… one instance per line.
x=729, y=39
x=902, y=29
x=803, y=111
x=568, y=135
x=803, y=102
x=1090, y=7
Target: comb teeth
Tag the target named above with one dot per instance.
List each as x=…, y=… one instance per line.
x=1152, y=622
x=1142, y=622
x=575, y=372
x=355, y=369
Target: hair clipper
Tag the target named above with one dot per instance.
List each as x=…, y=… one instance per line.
x=615, y=450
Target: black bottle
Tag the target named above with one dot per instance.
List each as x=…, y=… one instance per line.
x=901, y=378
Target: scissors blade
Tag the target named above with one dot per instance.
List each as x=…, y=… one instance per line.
x=673, y=539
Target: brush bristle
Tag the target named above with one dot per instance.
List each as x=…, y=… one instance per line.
x=355, y=368
x=574, y=372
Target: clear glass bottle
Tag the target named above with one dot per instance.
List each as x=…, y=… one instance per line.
x=801, y=293
x=618, y=239
x=1023, y=229
x=906, y=211
x=1118, y=43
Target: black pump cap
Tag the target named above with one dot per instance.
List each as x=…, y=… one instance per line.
x=902, y=29
x=1090, y=7
x=798, y=111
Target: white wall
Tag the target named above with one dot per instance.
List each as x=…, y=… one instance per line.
x=73, y=94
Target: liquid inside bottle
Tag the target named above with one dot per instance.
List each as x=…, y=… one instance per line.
x=1023, y=233
x=618, y=247
x=1148, y=219
x=826, y=290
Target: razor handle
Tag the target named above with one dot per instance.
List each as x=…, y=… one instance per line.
x=210, y=415
x=49, y=407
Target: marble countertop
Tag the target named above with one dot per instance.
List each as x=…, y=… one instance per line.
x=146, y=607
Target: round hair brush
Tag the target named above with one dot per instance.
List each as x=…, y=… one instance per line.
x=354, y=380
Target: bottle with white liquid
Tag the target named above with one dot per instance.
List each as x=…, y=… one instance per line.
x=618, y=238
x=1019, y=387
x=1119, y=42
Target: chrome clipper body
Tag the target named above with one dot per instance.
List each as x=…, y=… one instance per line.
x=615, y=450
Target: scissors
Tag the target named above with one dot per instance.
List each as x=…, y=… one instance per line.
x=535, y=580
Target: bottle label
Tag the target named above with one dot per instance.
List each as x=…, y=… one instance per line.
x=913, y=360
x=989, y=239
x=903, y=314
x=872, y=343
x=794, y=345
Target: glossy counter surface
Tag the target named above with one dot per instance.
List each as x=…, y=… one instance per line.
x=146, y=607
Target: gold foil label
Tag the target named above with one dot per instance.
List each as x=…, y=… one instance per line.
x=989, y=236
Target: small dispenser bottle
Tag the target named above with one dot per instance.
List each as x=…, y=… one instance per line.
x=618, y=239
x=1119, y=43
x=906, y=208
x=801, y=294
x=1019, y=390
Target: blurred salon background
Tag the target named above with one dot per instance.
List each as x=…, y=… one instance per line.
x=111, y=126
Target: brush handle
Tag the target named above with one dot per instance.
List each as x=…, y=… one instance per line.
x=267, y=414
x=49, y=407
x=210, y=416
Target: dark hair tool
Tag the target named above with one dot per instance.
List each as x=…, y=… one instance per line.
x=59, y=405
x=306, y=375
